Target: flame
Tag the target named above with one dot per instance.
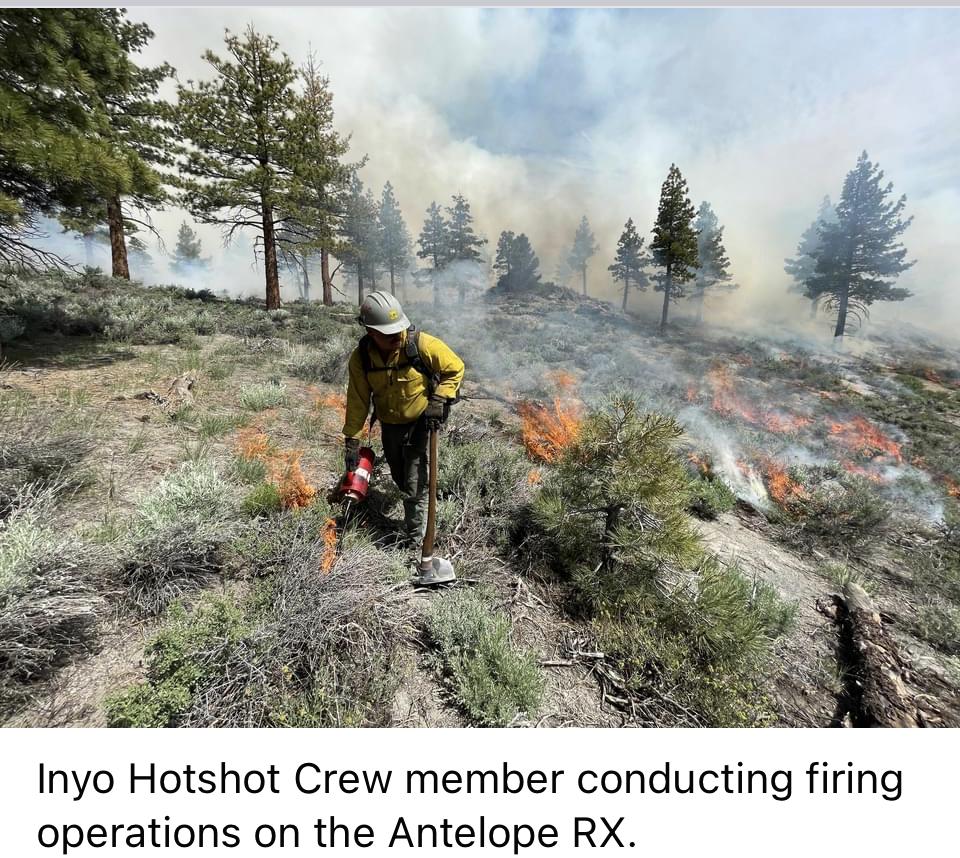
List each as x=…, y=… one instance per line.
x=860, y=471
x=865, y=439
x=782, y=488
x=283, y=467
x=777, y=422
x=691, y=392
x=953, y=487
x=701, y=463
x=534, y=477
x=562, y=380
x=546, y=433
x=253, y=443
x=727, y=402
x=329, y=545
x=295, y=491
x=725, y=399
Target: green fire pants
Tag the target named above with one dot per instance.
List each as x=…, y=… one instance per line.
x=405, y=449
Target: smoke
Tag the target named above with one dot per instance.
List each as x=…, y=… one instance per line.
x=540, y=116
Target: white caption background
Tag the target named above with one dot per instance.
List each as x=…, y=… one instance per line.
x=716, y=824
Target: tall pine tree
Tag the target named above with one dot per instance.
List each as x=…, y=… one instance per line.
x=463, y=244
x=360, y=247
x=583, y=248
x=803, y=265
x=713, y=269
x=674, y=245
x=320, y=183
x=860, y=256
x=434, y=246
x=394, y=237
x=628, y=266
x=243, y=127
x=58, y=146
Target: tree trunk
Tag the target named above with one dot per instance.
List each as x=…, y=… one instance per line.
x=393, y=281
x=359, y=281
x=700, y=309
x=842, y=309
x=668, y=283
x=609, y=526
x=436, y=289
x=270, y=260
x=626, y=289
x=885, y=701
x=325, y=277
x=583, y=271
x=305, y=291
x=118, y=247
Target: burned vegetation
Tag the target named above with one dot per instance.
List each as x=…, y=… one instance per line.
x=648, y=530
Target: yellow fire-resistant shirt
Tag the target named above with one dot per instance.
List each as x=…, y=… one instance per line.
x=400, y=392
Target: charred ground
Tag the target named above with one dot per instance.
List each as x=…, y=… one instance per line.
x=166, y=533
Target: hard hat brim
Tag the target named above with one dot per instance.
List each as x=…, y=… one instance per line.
x=400, y=324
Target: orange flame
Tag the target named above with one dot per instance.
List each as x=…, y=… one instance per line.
x=727, y=402
x=329, y=545
x=691, y=392
x=546, y=434
x=562, y=380
x=283, y=467
x=953, y=487
x=534, y=477
x=782, y=488
x=865, y=439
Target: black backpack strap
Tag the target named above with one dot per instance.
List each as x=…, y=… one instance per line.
x=414, y=358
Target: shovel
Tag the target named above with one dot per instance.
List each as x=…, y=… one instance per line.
x=433, y=570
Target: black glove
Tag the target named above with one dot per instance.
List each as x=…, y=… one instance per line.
x=438, y=409
x=351, y=453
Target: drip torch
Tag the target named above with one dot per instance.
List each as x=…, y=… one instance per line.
x=355, y=483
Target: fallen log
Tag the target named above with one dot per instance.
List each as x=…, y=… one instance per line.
x=884, y=699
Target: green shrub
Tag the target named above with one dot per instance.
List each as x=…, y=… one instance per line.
x=493, y=681
x=176, y=538
x=710, y=498
x=189, y=650
x=263, y=499
x=249, y=471
x=258, y=397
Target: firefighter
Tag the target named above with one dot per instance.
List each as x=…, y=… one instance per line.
x=411, y=378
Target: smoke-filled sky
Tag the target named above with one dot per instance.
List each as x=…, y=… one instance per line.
x=539, y=116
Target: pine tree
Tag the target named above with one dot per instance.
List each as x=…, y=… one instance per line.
x=463, y=243
x=58, y=141
x=583, y=248
x=802, y=266
x=674, y=245
x=188, y=252
x=628, y=266
x=243, y=127
x=612, y=511
x=434, y=246
x=138, y=131
x=394, y=237
x=860, y=255
x=320, y=183
x=517, y=264
x=360, y=247
x=713, y=270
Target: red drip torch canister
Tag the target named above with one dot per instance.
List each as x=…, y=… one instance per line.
x=355, y=483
